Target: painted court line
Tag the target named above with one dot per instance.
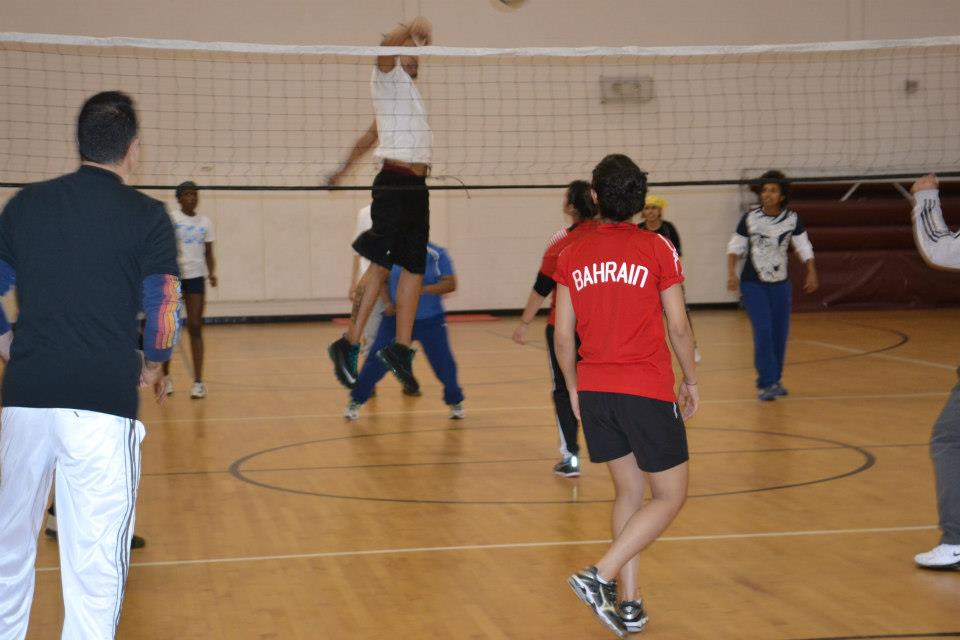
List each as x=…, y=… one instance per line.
x=925, y=363
x=321, y=355
x=541, y=407
x=518, y=545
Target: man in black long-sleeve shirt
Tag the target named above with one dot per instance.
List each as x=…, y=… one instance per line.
x=86, y=253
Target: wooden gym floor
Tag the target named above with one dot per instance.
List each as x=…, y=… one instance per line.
x=268, y=516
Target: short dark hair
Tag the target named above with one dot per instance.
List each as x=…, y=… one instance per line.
x=106, y=126
x=578, y=197
x=778, y=178
x=621, y=187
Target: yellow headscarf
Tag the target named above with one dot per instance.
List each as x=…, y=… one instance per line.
x=656, y=201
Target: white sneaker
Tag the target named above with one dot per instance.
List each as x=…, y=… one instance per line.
x=198, y=390
x=696, y=355
x=353, y=411
x=940, y=557
x=168, y=385
x=457, y=412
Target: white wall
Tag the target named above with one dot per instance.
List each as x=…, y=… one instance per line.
x=290, y=253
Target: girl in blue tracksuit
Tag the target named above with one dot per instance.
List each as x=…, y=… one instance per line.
x=430, y=329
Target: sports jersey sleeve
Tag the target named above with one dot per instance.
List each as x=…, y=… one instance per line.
x=161, y=306
x=739, y=243
x=936, y=243
x=562, y=265
x=7, y=262
x=549, y=262
x=7, y=279
x=210, y=233
x=668, y=261
x=161, y=289
x=801, y=243
x=445, y=264
x=544, y=284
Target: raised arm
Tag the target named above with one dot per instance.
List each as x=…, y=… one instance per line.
x=364, y=143
x=419, y=33
x=939, y=246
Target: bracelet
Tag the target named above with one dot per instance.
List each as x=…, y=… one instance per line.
x=690, y=384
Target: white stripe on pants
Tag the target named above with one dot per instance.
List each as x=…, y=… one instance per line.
x=97, y=460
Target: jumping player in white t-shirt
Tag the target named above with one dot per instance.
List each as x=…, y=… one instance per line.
x=400, y=209
x=195, y=236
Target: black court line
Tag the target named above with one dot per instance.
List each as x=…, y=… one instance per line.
x=934, y=634
x=239, y=473
x=902, y=339
x=349, y=467
x=331, y=386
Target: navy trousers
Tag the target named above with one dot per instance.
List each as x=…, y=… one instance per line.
x=768, y=306
x=431, y=333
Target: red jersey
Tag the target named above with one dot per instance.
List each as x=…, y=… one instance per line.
x=560, y=241
x=615, y=275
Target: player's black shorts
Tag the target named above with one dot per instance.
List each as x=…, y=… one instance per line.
x=193, y=285
x=615, y=424
x=401, y=222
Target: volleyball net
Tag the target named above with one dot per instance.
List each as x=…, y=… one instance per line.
x=252, y=116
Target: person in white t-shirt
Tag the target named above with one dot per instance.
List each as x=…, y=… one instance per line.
x=195, y=236
x=400, y=210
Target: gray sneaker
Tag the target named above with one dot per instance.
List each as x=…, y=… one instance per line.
x=601, y=597
x=767, y=394
x=352, y=411
x=633, y=615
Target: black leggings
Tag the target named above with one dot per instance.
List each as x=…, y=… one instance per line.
x=566, y=422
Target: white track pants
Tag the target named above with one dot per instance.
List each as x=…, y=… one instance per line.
x=97, y=460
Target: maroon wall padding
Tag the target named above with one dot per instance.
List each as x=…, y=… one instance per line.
x=877, y=238
x=867, y=213
x=866, y=256
x=866, y=191
x=893, y=279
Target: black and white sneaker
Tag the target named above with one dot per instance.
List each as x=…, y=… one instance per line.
x=633, y=615
x=602, y=598
x=344, y=356
x=399, y=360
x=569, y=467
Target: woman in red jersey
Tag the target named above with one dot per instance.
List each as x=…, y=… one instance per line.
x=578, y=204
x=614, y=285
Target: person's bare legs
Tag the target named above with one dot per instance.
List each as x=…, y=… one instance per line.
x=628, y=501
x=669, y=489
x=408, y=296
x=365, y=298
x=194, y=303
